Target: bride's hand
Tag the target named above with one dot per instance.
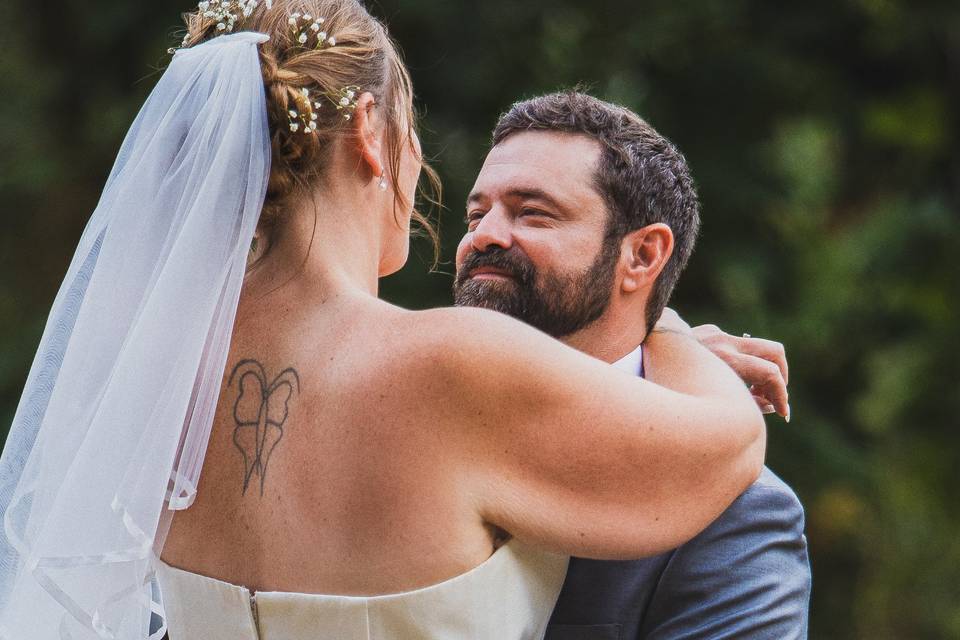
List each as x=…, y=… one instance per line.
x=762, y=364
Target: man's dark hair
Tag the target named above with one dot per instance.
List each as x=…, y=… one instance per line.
x=641, y=176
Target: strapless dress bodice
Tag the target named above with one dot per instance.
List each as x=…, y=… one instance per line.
x=509, y=596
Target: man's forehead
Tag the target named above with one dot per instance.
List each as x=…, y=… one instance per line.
x=546, y=159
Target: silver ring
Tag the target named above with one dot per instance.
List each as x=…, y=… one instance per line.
x=746, y=335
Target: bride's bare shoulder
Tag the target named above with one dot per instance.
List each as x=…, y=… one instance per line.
x=460, y=347
x=449, y=330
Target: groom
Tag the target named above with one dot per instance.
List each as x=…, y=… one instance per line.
x=580, y=222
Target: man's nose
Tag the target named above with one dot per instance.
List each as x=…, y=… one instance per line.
x=493, y=230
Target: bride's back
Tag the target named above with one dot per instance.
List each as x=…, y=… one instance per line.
x=323, y=473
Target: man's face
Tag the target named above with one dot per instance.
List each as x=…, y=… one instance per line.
x=534, y=247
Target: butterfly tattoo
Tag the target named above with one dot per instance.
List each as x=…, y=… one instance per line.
x=260, y=412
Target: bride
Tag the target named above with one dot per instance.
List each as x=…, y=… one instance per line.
x=368, y=471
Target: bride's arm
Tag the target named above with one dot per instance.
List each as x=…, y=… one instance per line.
x=565, y=451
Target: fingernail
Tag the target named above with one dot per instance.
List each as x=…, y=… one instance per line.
x=787, y=417
x=769, y=409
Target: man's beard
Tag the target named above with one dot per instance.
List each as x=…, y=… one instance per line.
x=558, y=305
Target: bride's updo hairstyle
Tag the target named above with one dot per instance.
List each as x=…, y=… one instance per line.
x=335, y=50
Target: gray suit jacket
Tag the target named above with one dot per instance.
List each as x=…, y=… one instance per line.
x=746, y=576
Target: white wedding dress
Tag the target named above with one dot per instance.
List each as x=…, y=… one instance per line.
x=510, y=596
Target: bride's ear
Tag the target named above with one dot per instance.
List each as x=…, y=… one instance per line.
x=368, y=129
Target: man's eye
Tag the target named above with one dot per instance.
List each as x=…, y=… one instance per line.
x=474, y=217
x=526, y=211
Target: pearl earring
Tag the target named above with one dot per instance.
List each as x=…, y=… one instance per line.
x=382, y=183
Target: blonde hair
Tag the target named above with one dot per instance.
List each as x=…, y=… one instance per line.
x=364, y=56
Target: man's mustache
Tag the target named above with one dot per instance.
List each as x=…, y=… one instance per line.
x=510, y=261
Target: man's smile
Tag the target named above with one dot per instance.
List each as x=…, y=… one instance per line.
x=489, y=273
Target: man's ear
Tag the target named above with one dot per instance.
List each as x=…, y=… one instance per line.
x=368, y=134
x=643, y=255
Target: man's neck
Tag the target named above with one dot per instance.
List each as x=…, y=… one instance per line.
x=615, y=334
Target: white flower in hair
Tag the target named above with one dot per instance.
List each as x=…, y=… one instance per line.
x=305, y=116
x=346, y=100
x=304, y=27
x=223, y=14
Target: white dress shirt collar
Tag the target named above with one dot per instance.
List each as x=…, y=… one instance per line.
x=632, y=363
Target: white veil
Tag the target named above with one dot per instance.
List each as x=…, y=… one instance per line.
x=110, y=433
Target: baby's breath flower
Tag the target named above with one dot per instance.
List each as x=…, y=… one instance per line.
x=346, y=100
x=305, y=27
x=304, y=116
x=223, y=15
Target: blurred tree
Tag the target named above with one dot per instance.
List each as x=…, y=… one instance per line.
x=822, y=136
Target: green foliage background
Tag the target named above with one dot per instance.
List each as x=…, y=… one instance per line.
x=822, y=136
